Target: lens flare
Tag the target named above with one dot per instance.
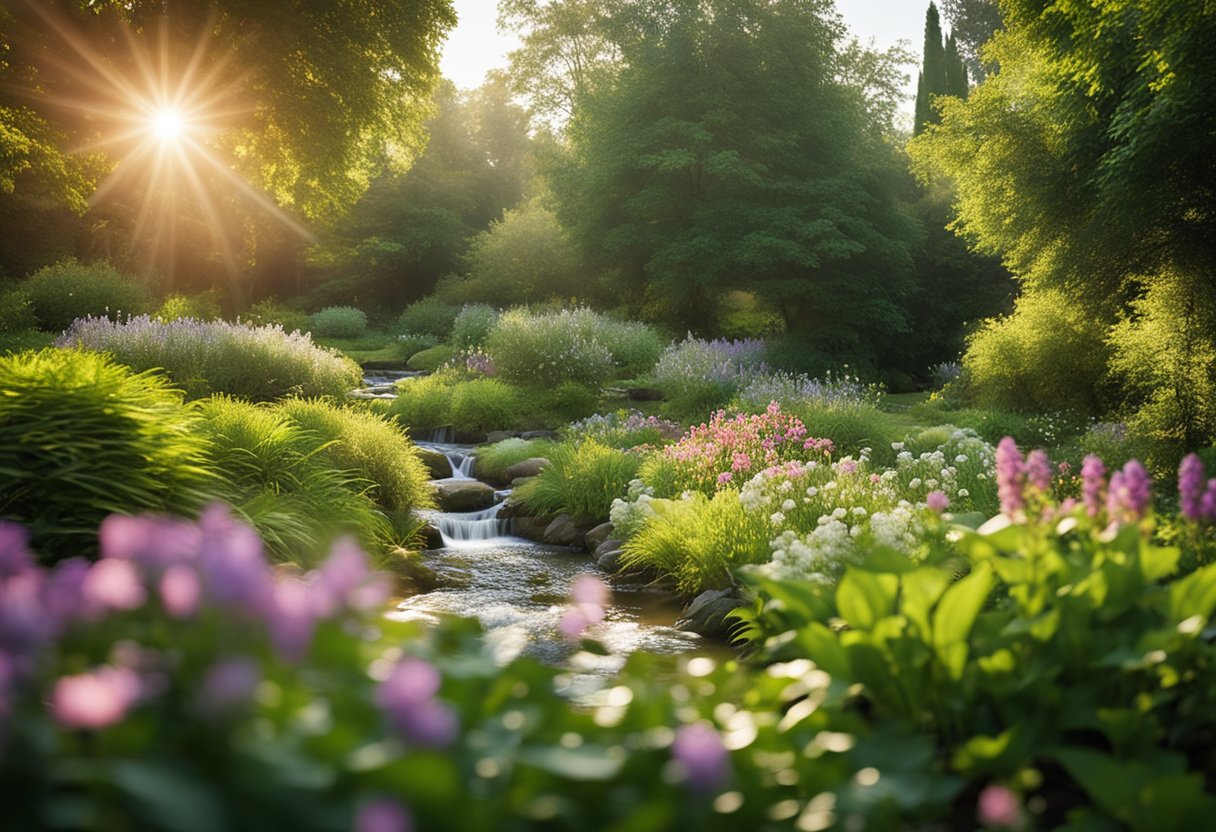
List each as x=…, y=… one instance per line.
x=168, y=125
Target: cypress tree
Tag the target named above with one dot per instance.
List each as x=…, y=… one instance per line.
x=942, y=73
x=956, y=70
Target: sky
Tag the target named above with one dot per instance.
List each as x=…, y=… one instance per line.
x=475, y=46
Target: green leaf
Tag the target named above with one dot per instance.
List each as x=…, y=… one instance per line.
x=1194, y=595
x=955, y=615
x=586, y=763
x=865, y=597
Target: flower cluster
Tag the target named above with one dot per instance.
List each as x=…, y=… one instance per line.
x=728, y=450
x=833, y=390
x=205, y=357
x=694, y=363
x=479, y=363
x=625, y=429
x=550, y=348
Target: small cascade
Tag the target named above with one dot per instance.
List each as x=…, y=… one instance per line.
x=474, y=528
x=462, y=464
x=438, y=436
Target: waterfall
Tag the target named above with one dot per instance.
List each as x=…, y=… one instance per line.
x=438, y=436
x=462, y=464
x=472, y=528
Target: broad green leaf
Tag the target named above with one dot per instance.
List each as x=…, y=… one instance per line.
x=954, y=616
x=1194, y=594
x=865, y=597
x=919, y=593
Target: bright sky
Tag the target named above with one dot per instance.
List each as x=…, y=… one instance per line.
x=475, y=46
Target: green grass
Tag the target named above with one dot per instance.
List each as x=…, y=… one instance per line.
x=372, y=346
x=494, y=460
x=27, y=339
x=581, y=480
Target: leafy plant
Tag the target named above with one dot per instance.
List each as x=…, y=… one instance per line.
x=581, y=480
x=428, y=317
x=68, y=290
x=431, y=359
x=546, y=349
x=486, y=404
x=204, y=306
x=473, y=326
x=338, y=322
x=494, y=460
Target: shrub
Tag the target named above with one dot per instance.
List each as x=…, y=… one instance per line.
x=278, y=476
x=699, y=376
x=494, y=460
x=270, y=312
x=1050, y=354
x=338, y=322
x=485, y=404
x=581, y=480
x=635, y=347
x=560, y=405
x=625, y=429
x=545, y=349
x=428, y=317
x=423, y=403
x=473, y=326
x=16, y=311
x=257, y=363
x=411, y=344
x=82, y=436
x=790, y=390
x=205, y=306
x=430, y=360
x=28, y=339
x=852, y=427
x=372, y=447
x=68, y=290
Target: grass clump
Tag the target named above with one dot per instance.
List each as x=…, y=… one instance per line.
x=494, y=460
x=82, y=436
x=581, y=480
x=206, y=357
x=485, y=404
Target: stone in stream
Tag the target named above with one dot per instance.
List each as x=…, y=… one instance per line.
x=563, y=531
x=525, y=468
x=531, y=528
x=420, y=576
x=596, y=536
x=609, y=559
x=436, y=462
x=707, y=613
x=458, y=496
x=431, y=538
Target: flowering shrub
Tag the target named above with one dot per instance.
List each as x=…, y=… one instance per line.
x=635, y=347
x=545, y=349
x=699, y=375
x=625, y=429
x=794, y=389
x=338, y=322
x=205, y=357
x=730, y=450
x=473, y=326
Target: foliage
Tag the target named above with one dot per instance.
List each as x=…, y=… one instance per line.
x=973, y=24
x=16, y=310
x=411, y=344
x=431, y=359
x=625, y=429
x=428, y=317
x=494, y=460
x=581, y=480
x=372, y=447
x=270, y=312
x=82, y=436
x=546, y=348
x=635, y=347
x=278, y=476
x=423, y=403
x=68, y=290
x=473, y=326
x=554, y=407
x=205, y=357
x=698, y=375
x=26, y=339
x=204, y=306
x=338, y=322
x=1050, y=354
x=486, y=404
x=851, y=426
x=942, y=72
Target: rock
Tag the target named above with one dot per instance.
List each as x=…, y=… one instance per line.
x=431, y=538
x=525, y=468
x=596, y=536
x=604, y=547
x=463, y=495
x=496, y=436
x=609, y=559
x=707, y=613
x=530, y=528
x=436, y=463
x=563, y=531
x=540, y=434
x=516, y=483
x=646, y=394
x=418, y=575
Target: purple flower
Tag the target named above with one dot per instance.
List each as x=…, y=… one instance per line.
x=152, y=542
x=231, y=562
x=94, y=700
x=112, y=585
x=1038, y=471
x=999, y=806
x=1010, y=476
x=407, y=698
x=229, y=684
x=1093, y=485
x=344, y=581
x=63, y=592
x=1191, y=482
x=292, y=619
x=699, y=750
x=383, y=815
x=15, y=556
x=180, y=591
x=937, y=501
x=1207, y=508
x=1130, y=493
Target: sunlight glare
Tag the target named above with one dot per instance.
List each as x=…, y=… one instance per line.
x=168, y=125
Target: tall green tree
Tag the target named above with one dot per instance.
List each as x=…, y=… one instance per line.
x=726, y=152
x=942, y=72
x=973, y=23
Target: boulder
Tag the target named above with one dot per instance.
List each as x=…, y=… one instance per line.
x=463, y=495
x=646, y=394
x=609, y=559
x=525, y=468
x=436, y=463
x=596, y=536
x=707, y=613
x=530, y=528
x=605, y=547
x=431, y=538
x=563, y=531
x=496, y=436
x=540, y=434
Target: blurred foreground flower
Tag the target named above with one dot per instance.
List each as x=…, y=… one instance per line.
x=699, y=750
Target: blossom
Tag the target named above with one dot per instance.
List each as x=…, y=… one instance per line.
x=1038, y=471
x=112, y=585
x=999, y=806
x=383, y=815
x=94, y=700
x=1093, y=485
x=590, y=595
x=180, y=591
x=407, y=698
x=229, y=684
x=1010, y=476
x=1191, y=482
x=699, y=750
x=937, y=501
x=1130, y=493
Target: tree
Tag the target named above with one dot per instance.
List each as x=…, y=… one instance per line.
x=726, y=152
x=942, y=72
x=973, y=23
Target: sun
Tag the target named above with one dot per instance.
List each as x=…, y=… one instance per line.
x=168, y=125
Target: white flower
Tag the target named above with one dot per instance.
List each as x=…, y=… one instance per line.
x=839, y=513
x=777, y=518
x=915, y=483
x=962, y=492
x=897, y=446
x=859, y=511
x=788, y=505
x=811, y=491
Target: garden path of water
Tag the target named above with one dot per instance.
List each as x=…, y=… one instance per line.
x=519, y=589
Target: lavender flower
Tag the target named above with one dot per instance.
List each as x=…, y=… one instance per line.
x=1010, y=477
x=1191, y=482
x=937, y=501
x=1038, y=471
x=1130, y=493
x=699, y=750
x=407, y=698
x=383, y=815
x=1093, y=485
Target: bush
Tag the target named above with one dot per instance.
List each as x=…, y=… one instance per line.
x=428, y=317
x=852, y=427
x=68, y=290
x=372, y=447
x=635, y=347
x=338, y=322
x=1050, y=354
x=423, y=403
x=625, y=429
x=27, y=339
x=82, y=436
x=700, y=376
x=473, y=326
x=277, y=475
x=494, y=460
x=16, y=311
x=485, y=404
x=545, y=349
x=581, y=480
x=270, y=312
x=257, y=363
x=430, y=360
x=205, y=306
x=560, y=405
x=411, y=344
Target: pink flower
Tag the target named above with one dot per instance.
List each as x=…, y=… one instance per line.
x=588, y=589
x=1038, y=471
x=112, y=585
x=1010, y=476
x=699, y=750
x=999, y=806
x=937, y=501
x=180, y=591
x=1191, y=482
x=725, y=477
x=1093, y=485
x=383, y=815
x=94, y=700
